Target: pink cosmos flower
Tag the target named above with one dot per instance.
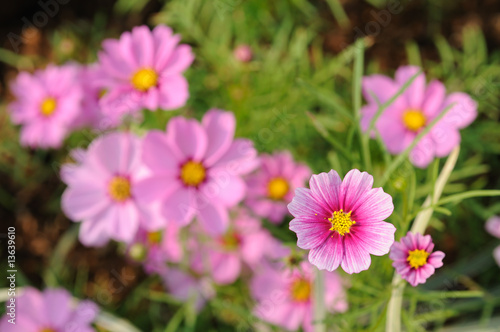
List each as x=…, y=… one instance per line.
x=245, y=243
x=144, y=70
x=413, y=110
x=493, y=227
x=197, y=168
x=272, y=187
x=243, y=53
x=156, y=248
x=49, y=311
x=101, y=191
x=284, y=296
x=341, y=222
x=47, y=104
x=188, y=287
x=413, y=258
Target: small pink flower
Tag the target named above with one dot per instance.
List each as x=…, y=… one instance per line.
x=144, y=70
x=413, y=110
x=49, y=311
x=188, y=287
x=197, y=168
x=413, y=258
x=341, y=222
x=245, y=243
x=284, y=296
x=272, y=187
x=102, y=191
x=47, y=104
x=157, y=248
x=493, y=227
x=243, y=53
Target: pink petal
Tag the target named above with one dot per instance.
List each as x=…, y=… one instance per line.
x=180, y=207
x=414, y=94
x=213, y=216
x=225, y=268
x=154, y=188
x=434, y=99
x=423, y=154
x=445, y=139
x=329, y=255
x=326, y=188
x=94, y=232
x=240, y=158
x=493, y=226
x=174, y=92
x=179, y=60
x=84, y=201
x=374, y=206
x=125, y=224
x=356, y=258
x=376, y=238
x=462, y=113
x=436, y=259
x=157, y=154
x=496, y=255
x=380, y=86
x=142, y=37
x=60, y=299
x=219, y=126
x=310, y=233
x=227, y=189
x=187, y=138
x=354, y=186
x=304, y=204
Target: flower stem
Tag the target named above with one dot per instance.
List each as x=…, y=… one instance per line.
x=319, y=302
x=393, y=322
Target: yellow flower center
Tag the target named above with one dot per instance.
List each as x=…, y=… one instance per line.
x=341, y=222
x=192, y=173
x=119, y=189
x=144, y=79
x=155, y=237
x=48, y=106
x=301, y=290
x=46, y=329
x=414, y=119
x=277, y=188
x=230, y=240
x=417, y=258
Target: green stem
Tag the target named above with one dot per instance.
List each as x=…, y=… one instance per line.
x=393, y=322
x=319, y=301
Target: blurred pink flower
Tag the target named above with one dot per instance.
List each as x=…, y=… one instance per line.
x=342, y=221
x=413, y=258
x=243, y=53
x=144, y=70
x=272, y=187
x=412, y=111
x=49, y=311
x=102, y=194
x=197, y=168
x=284, y=296
x=493, y=227
x=188, y=287
x=47, y=105
x=156, y=248
x=245, y=243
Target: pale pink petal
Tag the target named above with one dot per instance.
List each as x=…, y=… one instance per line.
x=84, y=201
x=414, y=94
x=496, y=255
x=219, y=126
x=330, y=254
x=436, y=259
x=434, y=99
x=174, y=92
x=187, y=137
x=379, y=86
x=463, y=112
x=354, y=186
x=376, y=237
x=60, y=299
x=356, y=258
x=326, y=188
x=375, y=205
x=213, y=216
x=94, y=232
x=225, y=268
x=445, y=138
x=493, y=226
x=240, y=158
x=304, y=204
x=143, y=38
x=180, y=206
x=155, y=187
x=157, y=154
x=423, y=154
x=126, y=223
x=179, y=60
x=225, y=188
x=310, y=233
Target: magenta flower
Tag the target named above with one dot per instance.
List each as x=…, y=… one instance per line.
x=413, y=258
x=144, y=70
x=413, y=110
x=245, y=243
x=156, y=248
x=102, y=194
x=493, y=227
x=197, y=168
x=187, y=287
x=284, y=296
x=341, y=222
x=272, y=187
x=49, y=311
x=243, y=53
x=47, y=104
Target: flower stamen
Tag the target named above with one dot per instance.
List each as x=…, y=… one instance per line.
x=119, y=189
x=417, y=258
x=144, y=79
x=48, y=106
x=301, y=290
x=414, y=119
x=341, y=222
x=193, y=173
x=277, y=188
